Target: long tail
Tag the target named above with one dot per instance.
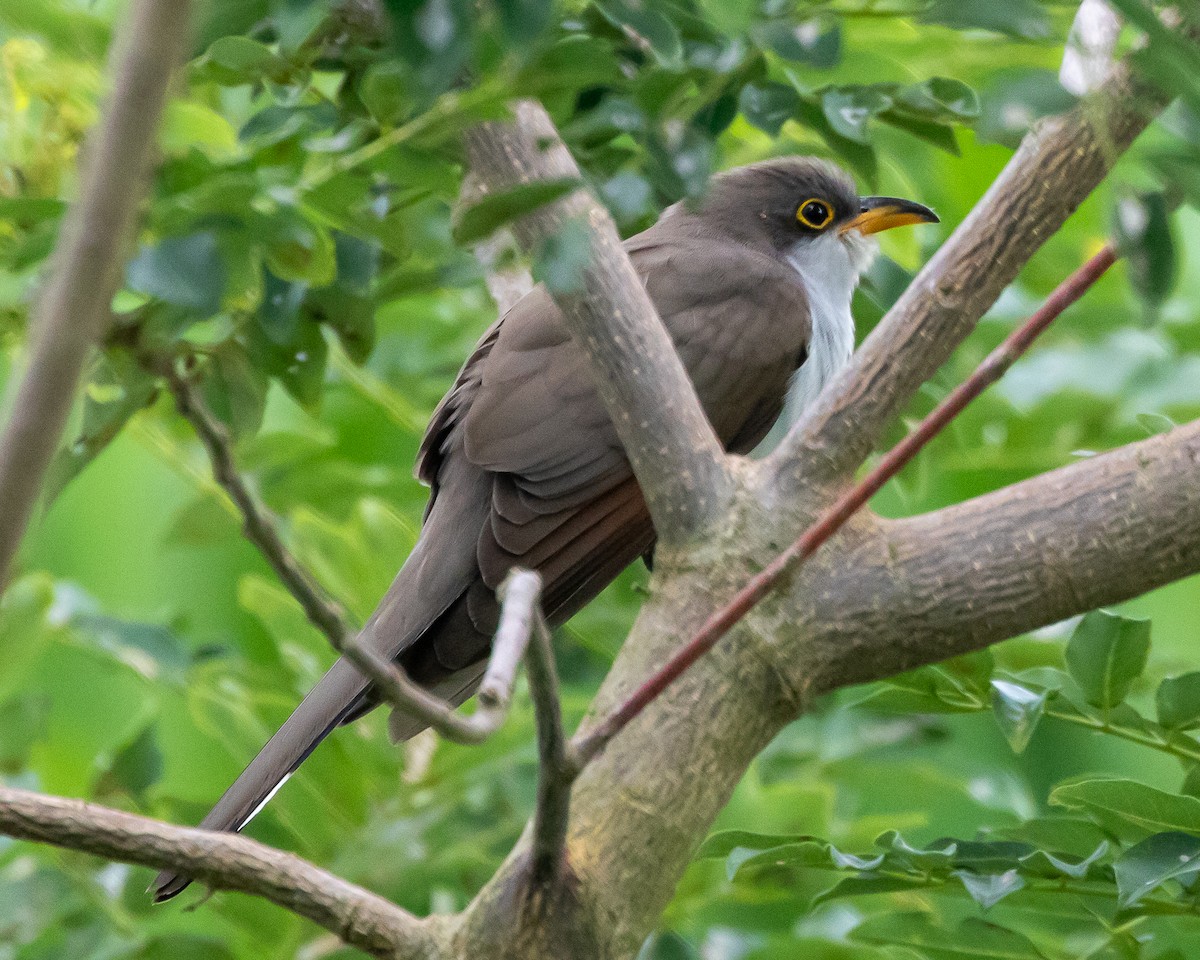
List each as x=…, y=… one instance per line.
x=440, y=568
x=336, y=695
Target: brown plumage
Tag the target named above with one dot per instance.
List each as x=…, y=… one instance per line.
x=525, y=467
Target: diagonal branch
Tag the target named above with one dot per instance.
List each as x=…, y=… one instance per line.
x=670, y=443
x=224, y=861
x=1058, y=164
x=590, y=743
x=520, y=614
x=258, y=523
x=73, y=309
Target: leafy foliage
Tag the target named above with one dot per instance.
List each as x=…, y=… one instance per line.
x=300, y=259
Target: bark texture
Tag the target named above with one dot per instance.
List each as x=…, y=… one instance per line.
x=880, y=598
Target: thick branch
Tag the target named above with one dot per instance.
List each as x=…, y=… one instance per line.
x=73, y=309
x=670, y=443
x=223, y=861
x=1093, y=533
x=995, y=365
x=1057, y=166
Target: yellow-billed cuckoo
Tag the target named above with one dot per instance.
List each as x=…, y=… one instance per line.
x=524, y=465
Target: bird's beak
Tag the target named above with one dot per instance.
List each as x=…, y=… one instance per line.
x=883, y=213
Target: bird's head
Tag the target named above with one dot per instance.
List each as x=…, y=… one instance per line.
x=807, y=211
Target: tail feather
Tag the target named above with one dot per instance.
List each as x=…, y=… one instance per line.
x=431, y=580
x=336, y=695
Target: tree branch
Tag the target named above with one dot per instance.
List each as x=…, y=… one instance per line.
x=1058, y=164
x=556, y=770
x=519, y=619
x=519, y=614
x=587, y=745
x=1093, y=533
x=223, y=861
x=670, y=443
x=73, y=309
x=258, y=523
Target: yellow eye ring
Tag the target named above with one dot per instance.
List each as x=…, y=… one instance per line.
x=814, y=214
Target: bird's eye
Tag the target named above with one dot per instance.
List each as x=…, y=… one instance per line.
x=814, y=214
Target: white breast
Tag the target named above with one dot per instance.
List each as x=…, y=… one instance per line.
x=829, y=266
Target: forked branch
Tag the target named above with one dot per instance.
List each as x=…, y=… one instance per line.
x=589, y=743
x=1058, y=164
x=670, y=443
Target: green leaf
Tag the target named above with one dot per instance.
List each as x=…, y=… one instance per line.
x=1044, y=863
x=942, y=98
x=973, y=939
x=234, y=390
x=1165, y=856
x=117, y=388
x=768, y=106
x=865, y=886
x=815, y=43
x=939, y=134
x=1017, y=18
x=988, y=889
x=185, y=271
x=647, y=27
x=1018, y=710
x=1015, y=100
x=719, y=845
x=139, y=765
x=236, y=60
x=187, y=125
x=1106, y=654
x=481, y=219
x=25, y=629
x=299, y=250
x=937, y=856
x=1120, y=804
x=1142, y=227
x=849, y=110
x=562, y=258
x=1178, y=701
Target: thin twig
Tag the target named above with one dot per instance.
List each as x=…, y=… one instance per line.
x=587, y=745
x=1059, y=163
x=224, y=861
x=73, y=309
x=258, y=523
x=519, y=595
x=555, y=773
x=518, y=615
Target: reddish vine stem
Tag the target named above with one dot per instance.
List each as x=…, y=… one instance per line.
x=588, y=745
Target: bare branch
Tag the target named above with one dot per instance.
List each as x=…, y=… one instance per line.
x=223, y=861
x=1057, y=166
x=518, y=611
x=73, y=309
x=556, y=771
x=258, y=523
x=518, y=614
x=1096, y=532
x=670, y=443
x=587, y=745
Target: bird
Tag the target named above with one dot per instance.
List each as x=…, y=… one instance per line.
x=753, y=283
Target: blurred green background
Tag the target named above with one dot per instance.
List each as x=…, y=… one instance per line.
x=323, y=300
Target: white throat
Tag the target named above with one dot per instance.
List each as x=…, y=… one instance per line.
x=829, y=266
